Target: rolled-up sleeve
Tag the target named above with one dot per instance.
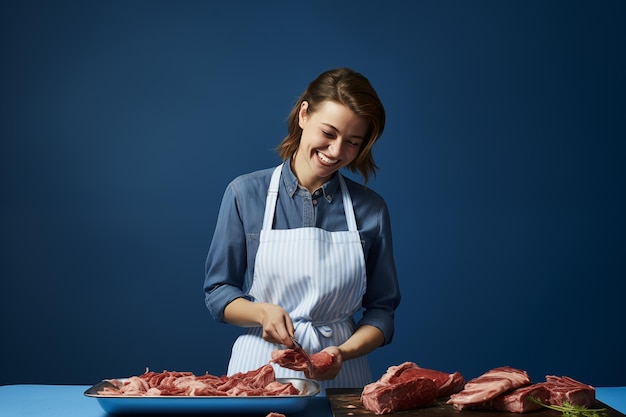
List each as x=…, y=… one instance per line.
x=225, y=264
x=382, y=296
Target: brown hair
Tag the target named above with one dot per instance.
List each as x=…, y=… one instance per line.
x=354, y=91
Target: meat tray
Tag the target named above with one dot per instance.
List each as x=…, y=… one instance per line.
x=214, y=404
x=345, y=402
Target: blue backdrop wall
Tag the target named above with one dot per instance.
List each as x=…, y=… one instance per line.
x=502, y=164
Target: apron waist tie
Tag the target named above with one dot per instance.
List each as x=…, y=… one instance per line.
x=320, y=328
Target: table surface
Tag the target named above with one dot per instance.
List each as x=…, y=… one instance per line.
x=69, y=401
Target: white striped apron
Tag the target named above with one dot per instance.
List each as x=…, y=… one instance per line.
x=319, y=278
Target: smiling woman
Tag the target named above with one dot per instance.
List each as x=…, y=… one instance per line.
x=331, y=139
x=340, y=87
x=286, y=262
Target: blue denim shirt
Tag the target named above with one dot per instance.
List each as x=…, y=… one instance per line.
x=229, y=265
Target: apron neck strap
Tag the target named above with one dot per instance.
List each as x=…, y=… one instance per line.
x=272, y=198
x=347, y=204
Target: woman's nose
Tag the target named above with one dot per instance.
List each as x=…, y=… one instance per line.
x=334, y=148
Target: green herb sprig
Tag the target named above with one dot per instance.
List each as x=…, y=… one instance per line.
x=570, y=410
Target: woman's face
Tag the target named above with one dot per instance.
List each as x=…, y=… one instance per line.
x=331, y=139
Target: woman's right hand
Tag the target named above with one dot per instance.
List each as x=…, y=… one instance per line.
x=276, y=323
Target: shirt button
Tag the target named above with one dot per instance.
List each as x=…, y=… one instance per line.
x=314, y=202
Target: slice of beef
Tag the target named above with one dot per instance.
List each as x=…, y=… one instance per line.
x=279, y=388
x=447, y=384
x=489, y=385
x=294, y=359
x=134, y=386
x=384, y=397
x=249, y=383
x=565, y=389
x=519, y=400
x=290, y=359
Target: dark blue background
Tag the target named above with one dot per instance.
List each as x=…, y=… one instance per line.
x=502, y=164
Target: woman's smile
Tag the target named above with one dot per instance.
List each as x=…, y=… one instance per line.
x=326, y=160
x=332, y=136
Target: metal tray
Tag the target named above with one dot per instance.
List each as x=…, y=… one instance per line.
x=214, y=404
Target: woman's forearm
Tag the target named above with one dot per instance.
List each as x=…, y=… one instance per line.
x=242, y=312
x=364, y=340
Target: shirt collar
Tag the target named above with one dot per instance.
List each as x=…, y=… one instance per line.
x=290, y=182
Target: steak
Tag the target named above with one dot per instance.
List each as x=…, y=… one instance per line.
x=447, y=384
x=488, y=386
x=389, y=397
x=519, y=400
x=565, y=389
x=402, y=387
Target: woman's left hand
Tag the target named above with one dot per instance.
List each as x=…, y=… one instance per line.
x=334, y=369
x=364, y=340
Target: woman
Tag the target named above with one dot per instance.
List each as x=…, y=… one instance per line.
x=299, y=249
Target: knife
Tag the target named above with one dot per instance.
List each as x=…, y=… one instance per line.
x=300, y=349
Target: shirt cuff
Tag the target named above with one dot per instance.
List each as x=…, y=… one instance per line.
x=220, y=297
x=381, y=319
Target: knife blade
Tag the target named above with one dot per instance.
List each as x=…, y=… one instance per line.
x=299, y=348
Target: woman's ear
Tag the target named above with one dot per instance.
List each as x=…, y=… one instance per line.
x=302, y=114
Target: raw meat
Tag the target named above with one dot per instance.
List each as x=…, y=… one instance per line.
x=399, y=389
x=295, y=360
x=555, y=391
x=258, y=382
x=389, y=397
x=447, y=384
x=518, y=400
x=564, y=389
x=488, y=386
